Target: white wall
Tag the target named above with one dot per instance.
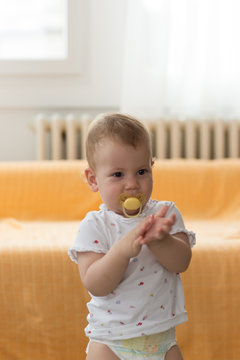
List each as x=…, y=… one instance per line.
x=97, y=88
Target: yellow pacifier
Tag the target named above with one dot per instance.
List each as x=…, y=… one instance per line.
x=131, y=203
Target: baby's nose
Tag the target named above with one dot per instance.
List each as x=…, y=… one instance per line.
x=132, y=183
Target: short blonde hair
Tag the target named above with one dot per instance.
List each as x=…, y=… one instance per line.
x=119, y=127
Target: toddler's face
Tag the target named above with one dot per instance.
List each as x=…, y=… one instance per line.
x=121, y=168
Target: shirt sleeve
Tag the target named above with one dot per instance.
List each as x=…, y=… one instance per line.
x=179, y=224
x=91, y=236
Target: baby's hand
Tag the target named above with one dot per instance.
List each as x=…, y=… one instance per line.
x=130, y=244
x=161, y=226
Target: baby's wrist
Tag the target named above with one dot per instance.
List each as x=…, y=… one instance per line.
x=122, y=250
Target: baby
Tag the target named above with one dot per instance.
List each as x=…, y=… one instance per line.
x=130, y=253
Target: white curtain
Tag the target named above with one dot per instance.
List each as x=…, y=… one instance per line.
x=182, y=58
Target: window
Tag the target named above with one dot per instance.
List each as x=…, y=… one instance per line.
x=35, y=37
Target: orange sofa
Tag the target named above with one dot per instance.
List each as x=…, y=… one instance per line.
x=42, y=301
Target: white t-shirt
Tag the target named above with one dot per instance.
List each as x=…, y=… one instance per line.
x=149, y=299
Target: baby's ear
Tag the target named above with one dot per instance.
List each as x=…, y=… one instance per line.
x=91, y=179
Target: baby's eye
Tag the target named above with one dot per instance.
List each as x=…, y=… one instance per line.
x=117, y=174
x=142, y=171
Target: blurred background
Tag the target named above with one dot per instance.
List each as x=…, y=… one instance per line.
x=64, y=61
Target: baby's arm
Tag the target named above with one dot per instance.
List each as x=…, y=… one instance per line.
x=172, y=251
x=101, y=273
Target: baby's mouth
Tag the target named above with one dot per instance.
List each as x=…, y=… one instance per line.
x=131, y=205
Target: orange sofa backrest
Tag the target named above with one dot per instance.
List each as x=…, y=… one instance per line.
x=57, y=190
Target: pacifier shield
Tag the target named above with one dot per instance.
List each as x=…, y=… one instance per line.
x=131, y=203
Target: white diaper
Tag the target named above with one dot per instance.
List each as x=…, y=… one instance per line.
x=152, y=347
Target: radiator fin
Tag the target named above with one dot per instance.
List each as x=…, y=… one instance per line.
x=63, y=137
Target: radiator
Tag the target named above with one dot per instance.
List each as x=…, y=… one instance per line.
x=63, y=137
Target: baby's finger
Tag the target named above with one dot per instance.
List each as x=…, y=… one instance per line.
x=146, y=225
x=169, y=220
x=172, y=217
x=162, y=211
